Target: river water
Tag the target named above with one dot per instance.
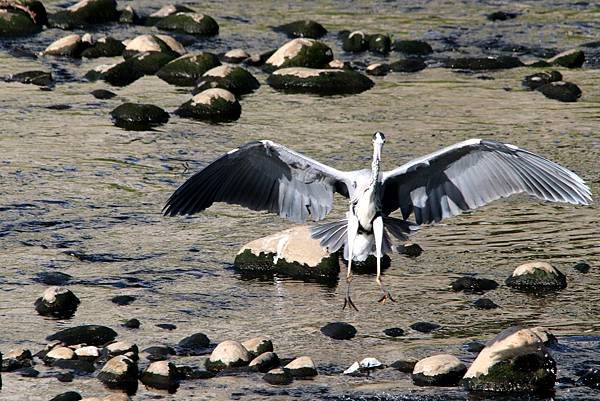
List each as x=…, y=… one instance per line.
x=73, y=182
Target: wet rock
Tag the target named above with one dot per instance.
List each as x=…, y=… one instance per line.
x=537, y=277
x=120, y=74
x=582, y=267
x=379, y=43
x=534, y=81
x=278, y=377
x=193, y=373
x=68, y=396
x=235, y=56
x=377, y=69
x=562, y=91
x=189, y=22
x=88, y=334
x=411, y=64
x=474, y=347
x=302, y=29
x=410, y=249
x=424, y=327
x=27, y=372
x=132, y=324
x=21, y=18
x=259, y=59
x=58, y=302
x=123, y=348
x=187, y=69
x=158, y=353
x=161, y=375
x=355, y=42
x=404, y=366
x=40, y=78
x=167, y=10
x=119, y=372
x=364, y=366
x=234, y=79
x=19, y=358
x=149, y=63
x=68, y=46
x=195, y=344
x=470, y=284
x=438, y=370
x=104, y=47
x=514, y=361
x=103, y=94
x=228, y=354
x=264, y=362
x=300, y=52
x=301, y=367
x=139, y=117
x=501, y=16
x=215, y=105
x=57, y=353
x=89, y=353
x=571, y=59
x=85, y=13
x=319, y=81
x=339, y=65
x=483, y=63
x=394, y=332
x=258, y=345
x=485, y=304
x=122, y=299
x=413, y=47
x=339, y=330
x=53, y=278
x=591, y=379
x=154, y=44
x=65, y=377
x=79, y=367
x=129, y=16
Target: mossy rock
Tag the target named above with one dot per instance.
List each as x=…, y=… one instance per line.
x=319, y=81
x=537, y=277
x=84, y=13
x=536, y=80
x=413, y=47
x=355, y=42
x=192, y=23
x=483, y=63
x=17, y=23
x=104, y=47
x=214, y=105
x=302, y=29
x=40, y=78
x=187, y=69
x=571, y=59
x=154, y=44
x=165, y=11
x=234, y=79
x=138, y=117
x=300, y=52
x=379, y=43
x=561, y=90
x=149, y=63
x=121, y=74
x=411, y=64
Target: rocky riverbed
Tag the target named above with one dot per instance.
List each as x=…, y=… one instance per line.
x=81, y=198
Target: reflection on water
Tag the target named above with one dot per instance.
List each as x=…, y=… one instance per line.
x=83, y=197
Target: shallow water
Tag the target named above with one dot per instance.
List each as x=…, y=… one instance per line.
x=72, y=182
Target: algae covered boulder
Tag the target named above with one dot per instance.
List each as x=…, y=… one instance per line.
x=189, y=22
x=234, y=79
x=293, y=253
x=215, y=105
x=137, y=117
x=187, y=69
x=380, y=43
x=85, y=13
x=561, y=90
x=319, y=81
x=35, y=77
x=355, y=42
x=154, y=43
x=571, y=59
x=120, y=74
x=302, y=29
x=228, y=354
x=537, y=277
x=413, y=47
x=438, y=370
x=104, y=47
x=235, y=56
x=409, y=64
x=21, y=18
x=515, y=361
x=300, y=52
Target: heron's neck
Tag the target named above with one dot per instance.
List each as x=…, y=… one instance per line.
x=375, y=168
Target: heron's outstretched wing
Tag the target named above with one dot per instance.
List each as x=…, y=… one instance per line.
x=473, y=173
x=263, y=175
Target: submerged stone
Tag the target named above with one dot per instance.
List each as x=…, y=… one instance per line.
x=215, y=105
x=228, y=354
x=301, y=52
x=293, y=253
x=501, y=16
x=189, y=22
x=582, y=267
x=537, y=277
x=234, y=79
x=562, y=91
x=410, y=64
x=380, y=43
x=85, y=13
x=424, y=327
x=339, y=330
x=485, y=304
x=58, y=302
x=438, y=370
x=355, y=42
x=88, y=334
x=187, y=69
x=394, y=332
x=470, y=284
x=136, y=116
x=534, y=81
x=319, y=81
x=571, y=59
x=40, y=78
x=302, y=29
x=483, y=63
x=413, y=47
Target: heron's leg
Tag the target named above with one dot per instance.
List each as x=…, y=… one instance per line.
x=378, y=232
x=352, y=232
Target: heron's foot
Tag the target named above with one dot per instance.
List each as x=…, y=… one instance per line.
x=386, y=296
x=348, y=302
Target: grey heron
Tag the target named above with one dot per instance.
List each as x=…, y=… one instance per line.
x=264, y=175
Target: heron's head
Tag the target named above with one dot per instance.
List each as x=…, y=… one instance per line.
x=378, y=141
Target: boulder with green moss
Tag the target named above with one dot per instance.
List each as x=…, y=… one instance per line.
x=21, y=17
x=68, y=46
x=104, y=47
x=166, y=11
x=515, y=361
x=537, y=277
x=214, y=105
x=85, y=13
x=302, y=29
x=300, y=52
x=319, y=81
x=228, y=354
x=571, y=59
x=191, y=23
x=355, y=42
x=438, y=370
x=120, y=74
x=292, y=253
x=379, y=43
x=234, y=79
x=154, y=43
x=187, y=69
x=413, y=47
x=138, y=117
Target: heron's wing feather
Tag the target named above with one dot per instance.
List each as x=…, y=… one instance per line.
x=473, y=173
x=262, y=175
